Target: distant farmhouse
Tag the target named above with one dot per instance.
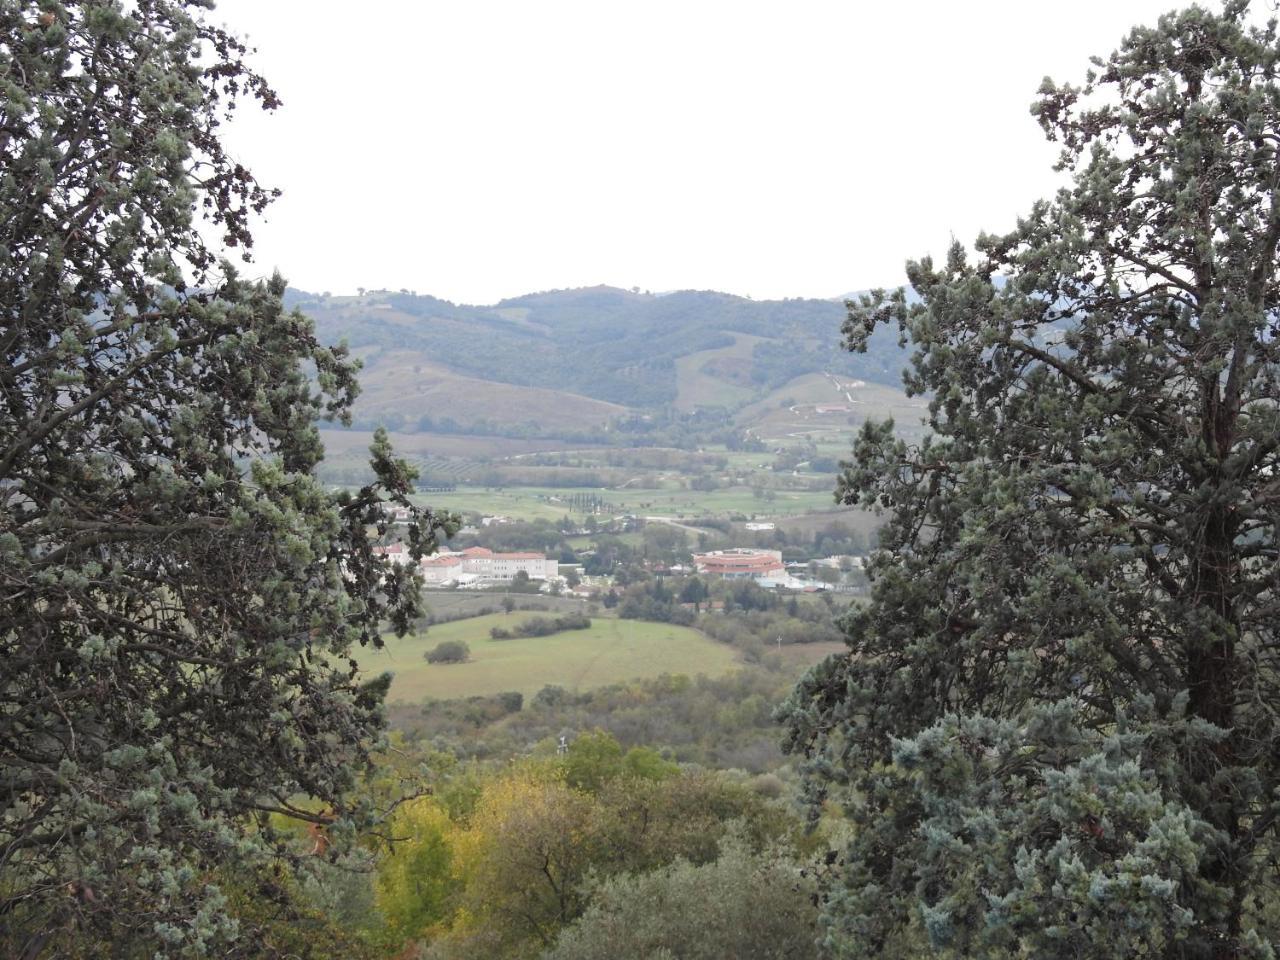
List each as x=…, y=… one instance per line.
x=397, y=553
x=397, y=514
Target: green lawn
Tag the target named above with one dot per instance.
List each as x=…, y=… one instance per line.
x=610, y=651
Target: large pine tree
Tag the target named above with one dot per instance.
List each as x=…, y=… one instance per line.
x=179, y=596
x=1057, y=728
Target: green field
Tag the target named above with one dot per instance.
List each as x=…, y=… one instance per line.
x=355, y=444
x=519, y=503
x=610, y=651
x=530, y=503
x=864, y=521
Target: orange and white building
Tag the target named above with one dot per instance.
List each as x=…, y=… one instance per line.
x=740, y=563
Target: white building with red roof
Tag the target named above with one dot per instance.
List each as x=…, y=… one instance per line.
x=477, y=564
x=483, y=562
x=443, y=568
x=397, y=553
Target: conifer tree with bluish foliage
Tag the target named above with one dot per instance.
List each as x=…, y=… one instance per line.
x=180, y=599
x=1055, y=732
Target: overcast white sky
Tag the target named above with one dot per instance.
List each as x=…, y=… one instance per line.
x=477, y=149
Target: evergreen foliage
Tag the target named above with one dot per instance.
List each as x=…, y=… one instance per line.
x=1055, y=730
x=744, y=904
x=180, y=595
x=543, y=626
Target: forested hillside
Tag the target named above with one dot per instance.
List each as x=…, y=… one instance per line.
x=602, y=343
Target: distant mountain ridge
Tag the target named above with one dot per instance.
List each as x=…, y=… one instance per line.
x=595, y=349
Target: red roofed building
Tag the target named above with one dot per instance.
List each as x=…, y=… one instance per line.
x=504, y=566
x=740, y=563
x=397, y=553
x=441, y=569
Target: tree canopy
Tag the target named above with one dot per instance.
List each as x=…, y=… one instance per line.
x=1055, y=729
x=180, y=599
x=744, y=904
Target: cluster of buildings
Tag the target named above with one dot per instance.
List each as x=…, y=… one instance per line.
x=475, y=566
x=481, y=567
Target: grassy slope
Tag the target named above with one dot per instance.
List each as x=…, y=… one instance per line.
x=609, y=652
x=696, y=388
x=811, y=388
x=791, y=411
x=408, y=382
x=801, y=656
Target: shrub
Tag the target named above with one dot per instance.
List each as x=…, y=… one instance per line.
x=536, y=627
x=512, y=701
x=451, y=651
x=744, y=904
x=545, y=626
x=552, y=695
x=768, y=785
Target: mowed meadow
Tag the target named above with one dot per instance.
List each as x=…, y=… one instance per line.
x=609, y=651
